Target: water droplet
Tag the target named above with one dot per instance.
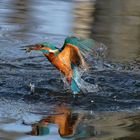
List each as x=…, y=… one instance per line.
x=32, y=87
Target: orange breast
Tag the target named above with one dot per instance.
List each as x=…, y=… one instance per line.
x=62, y=62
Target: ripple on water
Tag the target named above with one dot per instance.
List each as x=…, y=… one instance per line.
x=20, y=37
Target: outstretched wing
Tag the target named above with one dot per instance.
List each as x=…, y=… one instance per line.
x=87, y=47
x=72, y=55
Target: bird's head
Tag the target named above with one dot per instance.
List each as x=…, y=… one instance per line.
x=43, y=47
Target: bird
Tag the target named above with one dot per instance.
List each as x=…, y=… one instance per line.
x=69, y=58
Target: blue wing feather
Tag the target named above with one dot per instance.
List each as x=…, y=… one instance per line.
x=87, y=47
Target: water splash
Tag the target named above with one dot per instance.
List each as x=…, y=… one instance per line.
x=32, y=87
x=88, y=87
x=82, y=84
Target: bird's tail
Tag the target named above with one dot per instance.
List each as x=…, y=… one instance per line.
x=75, y=80
x=74, y=87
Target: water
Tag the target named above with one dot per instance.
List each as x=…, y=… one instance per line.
x=49, y=111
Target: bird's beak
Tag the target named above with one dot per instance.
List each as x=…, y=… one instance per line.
x=32, y=47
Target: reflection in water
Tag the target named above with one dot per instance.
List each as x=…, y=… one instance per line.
x=31, y=16
x=83, y=18
x=73, y=125
x=65, y=120
x=117, y=23
x=20, y=12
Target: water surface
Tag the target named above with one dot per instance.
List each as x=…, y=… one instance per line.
x=52, y=112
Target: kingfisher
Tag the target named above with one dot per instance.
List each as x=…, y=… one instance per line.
x=69, y=58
